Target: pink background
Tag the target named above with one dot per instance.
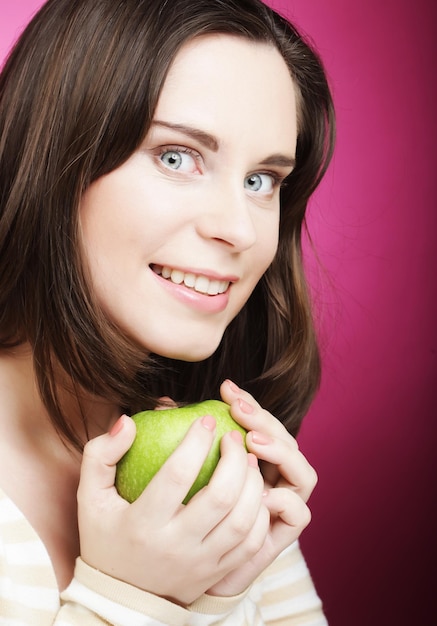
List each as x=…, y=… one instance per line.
x=371, y=546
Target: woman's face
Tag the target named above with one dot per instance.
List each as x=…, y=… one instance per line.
x=178, y=236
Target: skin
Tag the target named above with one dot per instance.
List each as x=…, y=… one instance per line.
x=215, y=214
x=203, y=217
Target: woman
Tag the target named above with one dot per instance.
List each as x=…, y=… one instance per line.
x=156, y=163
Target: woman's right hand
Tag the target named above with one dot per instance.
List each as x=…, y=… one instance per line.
x=157, y=544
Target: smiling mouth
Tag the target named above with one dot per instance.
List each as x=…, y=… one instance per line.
x=197, y=282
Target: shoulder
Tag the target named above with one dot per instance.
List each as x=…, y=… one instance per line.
x=25, y=568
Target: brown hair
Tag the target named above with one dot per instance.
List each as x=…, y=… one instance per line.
x=77, y=95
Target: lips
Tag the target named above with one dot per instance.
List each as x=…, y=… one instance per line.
x=197, y=282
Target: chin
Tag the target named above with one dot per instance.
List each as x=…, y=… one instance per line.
x=191, y=354
x=188, y=356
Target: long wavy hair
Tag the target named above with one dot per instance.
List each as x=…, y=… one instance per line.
x=77, y=96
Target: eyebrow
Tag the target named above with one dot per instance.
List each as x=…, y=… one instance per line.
x=207, y=140
x=280, y=160
x=210, y=142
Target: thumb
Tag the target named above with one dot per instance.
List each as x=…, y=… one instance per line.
x=101, y=455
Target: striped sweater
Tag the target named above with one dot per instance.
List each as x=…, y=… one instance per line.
x=283, y=596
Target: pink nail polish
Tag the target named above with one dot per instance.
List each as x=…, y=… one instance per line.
x=252, y=460
x=245, y=406
x=233, y=387
x=116, y=428
x=208, y=422
x=236, y=436
x=260, y=438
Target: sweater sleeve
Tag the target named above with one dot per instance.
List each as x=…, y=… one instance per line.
x=283, y=596
x=93, y=599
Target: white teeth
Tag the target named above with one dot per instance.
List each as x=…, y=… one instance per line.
x=213, y=288
x=189, y=280
x=177, y=277
x=202, y=284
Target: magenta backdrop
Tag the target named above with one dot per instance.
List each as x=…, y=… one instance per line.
x=370, y=433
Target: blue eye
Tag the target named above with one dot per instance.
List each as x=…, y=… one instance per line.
x=260, y=182
x=172, y=159
x=178, y=160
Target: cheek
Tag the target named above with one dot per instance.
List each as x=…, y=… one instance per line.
x=269, y=240
x=262, y=255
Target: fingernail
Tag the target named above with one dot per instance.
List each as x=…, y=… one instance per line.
x=252, y=460
x=260, y=438
x=245, y=406
x=117, y=426
x=236, y=436
x=233, y=387
x=208, y=422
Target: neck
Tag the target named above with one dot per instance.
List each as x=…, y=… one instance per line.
x=22, y=402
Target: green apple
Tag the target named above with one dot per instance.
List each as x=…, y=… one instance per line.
x=158, y=435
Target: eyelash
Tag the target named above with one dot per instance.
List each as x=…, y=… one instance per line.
x=278, y=181
x=175, y=148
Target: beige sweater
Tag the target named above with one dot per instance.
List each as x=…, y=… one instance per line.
x=283, y=596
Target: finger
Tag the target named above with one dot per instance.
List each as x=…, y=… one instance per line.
x=251, y=544
x=214, y=502
x=287, y=459
x=247, y=412
x=101, y=455
x=237, y=525
x=290, y=515
x=164, y=494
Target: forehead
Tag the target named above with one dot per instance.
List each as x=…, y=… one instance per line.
x=235, y=89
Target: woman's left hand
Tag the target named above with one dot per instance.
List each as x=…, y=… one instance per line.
x=289, y=481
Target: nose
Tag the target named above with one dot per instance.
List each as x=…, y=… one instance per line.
x=225, y=215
